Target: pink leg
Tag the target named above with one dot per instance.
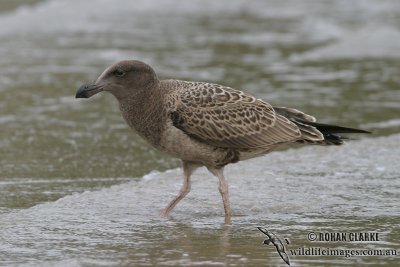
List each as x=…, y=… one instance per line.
x=188, y=169
x=224, y=190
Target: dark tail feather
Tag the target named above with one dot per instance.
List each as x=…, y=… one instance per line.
x=330, y=132
x=334, y=139
x=328, y=128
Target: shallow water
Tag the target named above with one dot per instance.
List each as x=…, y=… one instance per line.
x=353, y=188
x=73, y=183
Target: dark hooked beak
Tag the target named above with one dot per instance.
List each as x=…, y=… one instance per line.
x=88, y=90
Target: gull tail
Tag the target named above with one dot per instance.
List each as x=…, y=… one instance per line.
x=331, y=132
x=313, y=132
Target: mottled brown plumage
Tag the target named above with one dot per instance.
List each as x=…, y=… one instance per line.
x=205, y=124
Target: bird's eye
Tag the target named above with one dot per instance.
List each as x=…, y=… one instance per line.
x=119, y=73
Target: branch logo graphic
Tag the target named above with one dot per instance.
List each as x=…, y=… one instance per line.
x=277, y=242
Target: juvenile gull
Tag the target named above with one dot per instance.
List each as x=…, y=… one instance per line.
x=205, y=124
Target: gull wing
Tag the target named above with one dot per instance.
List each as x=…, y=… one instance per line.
x=225, y=117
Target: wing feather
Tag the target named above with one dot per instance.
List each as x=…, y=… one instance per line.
x=225, y=117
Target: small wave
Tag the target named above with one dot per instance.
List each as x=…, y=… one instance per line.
x=383, y=124
x=365, y=43
x=362, y=159
x=16, y=181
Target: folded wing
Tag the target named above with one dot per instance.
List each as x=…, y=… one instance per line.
x=225, y=117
